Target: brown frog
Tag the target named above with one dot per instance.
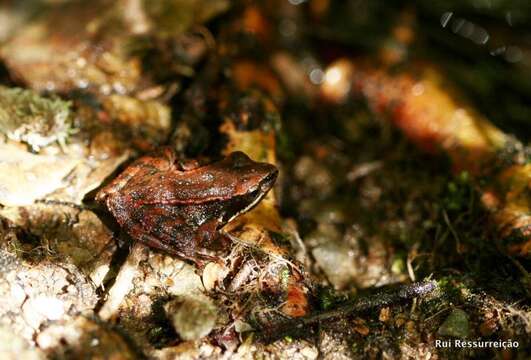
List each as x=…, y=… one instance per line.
x=180, y=208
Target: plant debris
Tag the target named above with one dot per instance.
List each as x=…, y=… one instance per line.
x=312, y=179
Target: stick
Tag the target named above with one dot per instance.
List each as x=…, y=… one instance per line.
x=364, y=303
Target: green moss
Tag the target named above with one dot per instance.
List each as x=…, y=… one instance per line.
x=328, y=298
x=459, y=193
x=450, y=288
x=32, y=119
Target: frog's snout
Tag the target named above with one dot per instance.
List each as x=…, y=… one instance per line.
x=269, y=180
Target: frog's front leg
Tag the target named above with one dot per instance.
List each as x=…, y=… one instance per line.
x=209, y=237
x=200, y=259
x=161, y=229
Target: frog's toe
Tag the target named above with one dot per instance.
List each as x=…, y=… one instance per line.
x=201, y=259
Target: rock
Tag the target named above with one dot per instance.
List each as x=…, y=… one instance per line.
x=213, y=274
x=32, y=295
x=60, y=51
x=241, y=326
x=336, y=263
x=83, y=338
x=192, y=317
x=73, y=236
x=145, y=280
x=14, y=347
x=26, y=177
x=455, y=325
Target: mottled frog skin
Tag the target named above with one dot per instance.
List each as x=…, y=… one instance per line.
x=179, y=209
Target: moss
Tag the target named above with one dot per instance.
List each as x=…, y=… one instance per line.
x=451, y=288
x=459, y=193
x=328, y=298
x=32, y=119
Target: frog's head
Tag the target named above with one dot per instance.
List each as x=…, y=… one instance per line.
x=254, y=180
x=252, y=176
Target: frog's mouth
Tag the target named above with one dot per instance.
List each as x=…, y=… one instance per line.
x=257, y=195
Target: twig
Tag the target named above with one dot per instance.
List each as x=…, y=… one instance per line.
x=452, y=230
x=295, y=326
x=71, y=204
x=60, y=203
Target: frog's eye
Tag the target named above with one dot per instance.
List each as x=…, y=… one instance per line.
x=239, y=159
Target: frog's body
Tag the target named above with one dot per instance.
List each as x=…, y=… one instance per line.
x=180, y=211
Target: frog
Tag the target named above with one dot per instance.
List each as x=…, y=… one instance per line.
x=179, y=206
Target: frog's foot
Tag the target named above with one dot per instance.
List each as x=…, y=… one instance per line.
x=203, y=258
x=156, y=243
x=207, y=236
